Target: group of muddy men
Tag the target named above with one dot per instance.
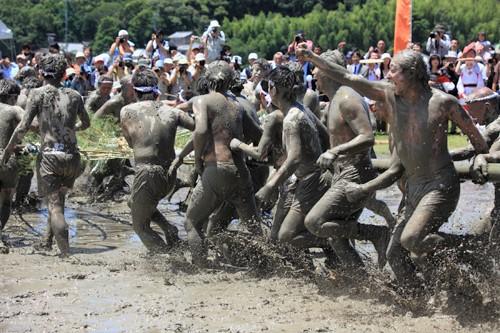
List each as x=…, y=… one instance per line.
x=322, y=175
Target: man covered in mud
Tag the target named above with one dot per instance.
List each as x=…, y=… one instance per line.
x=483, y=105
x=10, y=116
x=348, y=159
x=150, y=126
x=100, y=96
x=418, y=116
x=58, y=163
x=302, y=143
x=224, y=174
x=113, y=106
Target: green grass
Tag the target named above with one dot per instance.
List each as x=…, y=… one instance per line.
x=382, y=147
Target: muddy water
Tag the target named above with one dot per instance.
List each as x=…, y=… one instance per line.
x=110, y=284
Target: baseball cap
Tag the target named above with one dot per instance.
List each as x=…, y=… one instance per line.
x=122, y=33
x=70, y=71
x=79, y=54
x=168, y=61
x=253, y=56
x=199, y=57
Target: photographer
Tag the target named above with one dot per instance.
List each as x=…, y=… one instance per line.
x=157, y=47
x=181, y=81
x=298, y=39
x=438, y=42
x=121, y=45
x=213, y=40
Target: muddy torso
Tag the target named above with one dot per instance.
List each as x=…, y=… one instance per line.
x=9, y=118
x=57, y=110
x=225, y=122
x=419, y=133
x=298, y=122
x=151, y=127
x=338, y=128
x=22, y=98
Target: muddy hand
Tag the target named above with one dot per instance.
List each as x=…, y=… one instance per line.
x=302, y=52
x=235, y=144
x=175, y=165
x=479, y=170
x=263, y=195
x=326, y=159
x=354, y=192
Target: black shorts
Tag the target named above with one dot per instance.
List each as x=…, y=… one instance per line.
x=57, y=170
x=308, y=192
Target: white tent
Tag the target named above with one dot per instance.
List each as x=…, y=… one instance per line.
x=6, y=34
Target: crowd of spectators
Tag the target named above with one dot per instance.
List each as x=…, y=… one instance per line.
x=452, y=69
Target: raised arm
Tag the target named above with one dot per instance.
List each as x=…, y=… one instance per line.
x=372, y=89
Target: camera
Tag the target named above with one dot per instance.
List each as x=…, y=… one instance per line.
x=120, y=64
x=122, y=40
x=182, y=68
x=298, y=38
x=214, y=29
x=432, y=35
x=202, y=63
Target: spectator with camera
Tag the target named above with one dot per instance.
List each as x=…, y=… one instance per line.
x=438, y=41
x=213, y=41
x=181, y=81
x=8, y=68
x=157, y=47
x=197, y=69
x=299, y=38
x=121, y=45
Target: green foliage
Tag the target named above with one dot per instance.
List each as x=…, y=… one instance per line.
x=264, y=26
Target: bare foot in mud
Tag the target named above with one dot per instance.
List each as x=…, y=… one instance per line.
x=381, y=245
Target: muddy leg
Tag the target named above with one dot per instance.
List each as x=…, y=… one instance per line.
x=170, y=231
x=293, y=231
x=5, y=203
x=23, y=188
x=399, y=258
x=380, y=208
x=142, y=212
x=57, y=222
x=220, y=219
x=203, y=203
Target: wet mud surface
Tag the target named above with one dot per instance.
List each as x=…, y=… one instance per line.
x=110, y=283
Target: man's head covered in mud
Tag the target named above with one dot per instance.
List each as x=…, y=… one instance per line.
x=408, y=72
x=322, y=81
x=281, y=84
x=219, y=76
x=260, y=68
x=53, y=67
x=483, y=105
x=127, y=89
x=9, y=90
x=145, y=85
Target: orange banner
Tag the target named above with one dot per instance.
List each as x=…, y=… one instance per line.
x=402, y=29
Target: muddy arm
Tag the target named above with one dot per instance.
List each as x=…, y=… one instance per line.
x=84, y=122
x=387, y=178
x=261, y=151
x=371, y=89
x=22, y=127
x=200, y=133
x=464, y=122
